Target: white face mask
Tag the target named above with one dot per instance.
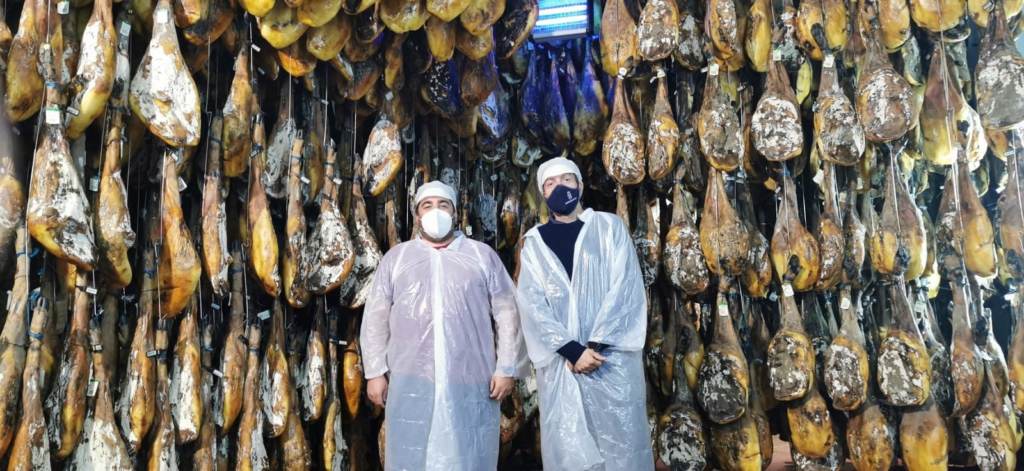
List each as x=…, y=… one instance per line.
x=436, y=223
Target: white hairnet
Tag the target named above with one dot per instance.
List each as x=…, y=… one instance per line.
x=435, y=188
x=555, y=167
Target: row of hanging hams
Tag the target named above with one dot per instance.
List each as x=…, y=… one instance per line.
x=896, y=183
x=194, y=196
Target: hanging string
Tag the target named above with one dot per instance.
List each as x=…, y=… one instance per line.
x=1015, y=174
x=948, y=117
x=49, y=82
x=354, y=179
x=405, y=174
x=462, y=169
x=158, y=246
x=245, y=290
x=323, y=105
x=714, y=195
x=252, y=57
x=202, y=312
x=436, y=150
x=124, y=143
x=740, y=173
x=895, y=200
x=206, y=104
x=496, y=209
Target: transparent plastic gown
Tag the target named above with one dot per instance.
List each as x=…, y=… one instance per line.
x=596, y=421
x=438, y=411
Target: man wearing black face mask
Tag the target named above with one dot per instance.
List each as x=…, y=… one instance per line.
x=584, y=313
x=561, y=191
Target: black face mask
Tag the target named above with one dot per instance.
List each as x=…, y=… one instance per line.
x=563, y=200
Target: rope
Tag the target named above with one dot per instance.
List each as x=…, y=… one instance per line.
x=956, y=162
x=1016, y=171
x=160, y=237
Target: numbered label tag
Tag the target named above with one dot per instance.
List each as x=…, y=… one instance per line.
x=126, y=28
x=819, y=177
x=94, y=184
x=181, y=184
x=844, y=302
x=264, y=315
x=723, y=309
x=830, y=61
x=93, y=386
x=787, y=290
x=52, y=115
x=713, y=69
x=776, y=55
x=63, y=7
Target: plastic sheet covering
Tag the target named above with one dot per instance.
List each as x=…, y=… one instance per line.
x=596, y=421
x=428, y=322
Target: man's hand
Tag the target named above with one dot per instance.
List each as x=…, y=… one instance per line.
x=501, y=387
x=588, y=362
x=377, y=390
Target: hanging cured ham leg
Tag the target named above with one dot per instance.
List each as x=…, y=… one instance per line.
x=137, y=405
x=329, y=255
x=179, y=269
x=31, y=447
x=724, y=379
x=163, y=94
x=904, y=369
x=58, y=212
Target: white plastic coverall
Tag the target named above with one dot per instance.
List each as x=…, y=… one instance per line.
x=595, y=421
x=428, y=321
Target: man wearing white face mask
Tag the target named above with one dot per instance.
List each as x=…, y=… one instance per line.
x=584, y=312
x=441, y=343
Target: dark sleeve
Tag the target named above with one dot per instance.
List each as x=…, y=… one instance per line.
x=572, y=351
